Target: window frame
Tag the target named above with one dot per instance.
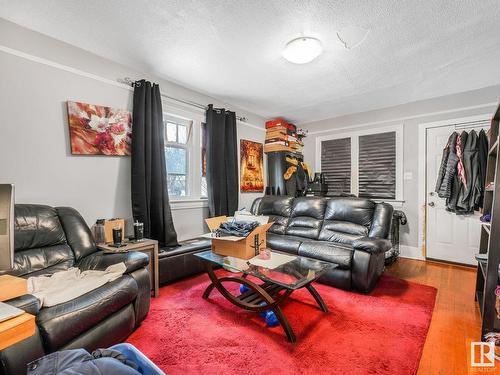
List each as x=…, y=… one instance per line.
x=354, y=136
x=193, y=198
x=184, y=146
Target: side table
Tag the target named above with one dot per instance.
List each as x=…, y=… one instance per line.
x=147, y=246
x=21, y=327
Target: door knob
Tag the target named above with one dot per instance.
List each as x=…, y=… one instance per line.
x=432, y=204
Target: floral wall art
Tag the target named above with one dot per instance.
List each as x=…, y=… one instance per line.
x=99, y=130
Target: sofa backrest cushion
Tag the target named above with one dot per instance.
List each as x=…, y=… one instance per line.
x=278, y=209
x=306, y=217
x=39, y=241
x=78, y=234
x=43, y=260
x=346, y=219
x=36, y=226
x=351, y=209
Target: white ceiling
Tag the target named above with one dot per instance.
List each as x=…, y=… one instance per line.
x=231, y=49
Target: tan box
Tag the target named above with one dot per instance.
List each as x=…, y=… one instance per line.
x=108, y=228
x=243, y=248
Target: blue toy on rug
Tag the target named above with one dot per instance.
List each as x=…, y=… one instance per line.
x=269, y=315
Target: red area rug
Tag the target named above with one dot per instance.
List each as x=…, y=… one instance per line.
x=380, y=333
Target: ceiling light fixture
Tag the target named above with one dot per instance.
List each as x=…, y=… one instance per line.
x=302, y=50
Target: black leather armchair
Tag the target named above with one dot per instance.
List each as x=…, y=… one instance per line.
x=48, y=240
x=351, y=232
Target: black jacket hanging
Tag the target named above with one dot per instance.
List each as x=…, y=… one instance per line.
x=482, y=157
x=448, y=167
x=469, y=189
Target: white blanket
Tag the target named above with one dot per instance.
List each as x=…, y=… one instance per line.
x=67, y=285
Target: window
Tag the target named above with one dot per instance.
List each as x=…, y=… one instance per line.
x=365, y=164
x=177, y=155
x=336, y=165
x=203, y=139
x=184, y=150
x=377, y=166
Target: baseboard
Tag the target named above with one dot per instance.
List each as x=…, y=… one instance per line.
x=411, y=252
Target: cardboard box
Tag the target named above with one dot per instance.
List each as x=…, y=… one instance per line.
x=243, y=247
x=108, y=228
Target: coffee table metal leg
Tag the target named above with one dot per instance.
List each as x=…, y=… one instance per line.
x=284, y=324
x=270, y=303
x=317, y=297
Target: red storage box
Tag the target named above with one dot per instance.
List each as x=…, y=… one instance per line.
x=276, y=122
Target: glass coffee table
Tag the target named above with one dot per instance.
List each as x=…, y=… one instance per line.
x=281, y=276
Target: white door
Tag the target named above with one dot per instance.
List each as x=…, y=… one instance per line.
x=450, y=237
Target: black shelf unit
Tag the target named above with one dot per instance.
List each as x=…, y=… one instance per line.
x=489, y=246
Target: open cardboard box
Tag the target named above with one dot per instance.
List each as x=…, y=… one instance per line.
x=241, y=247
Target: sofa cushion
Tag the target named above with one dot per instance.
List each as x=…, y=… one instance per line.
x=36, y=226
x=306, y=217
x=42, y=261
x=327, y=252
x=350, y=209
x=278, y=208
x=342, y=232
x=286, y=243
x=78, y=234
x=62, y=323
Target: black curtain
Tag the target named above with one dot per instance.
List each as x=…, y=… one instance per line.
x=150, y=204
x=222, y=161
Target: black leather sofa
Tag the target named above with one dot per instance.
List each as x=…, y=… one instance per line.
x=351, y=232
x=48, y=240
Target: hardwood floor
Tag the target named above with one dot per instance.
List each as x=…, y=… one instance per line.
x=456, y=316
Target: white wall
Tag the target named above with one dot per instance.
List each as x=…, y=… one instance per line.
x=34, y=141
x=465, y=104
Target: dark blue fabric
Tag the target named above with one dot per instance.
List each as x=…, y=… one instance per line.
x=79, y=361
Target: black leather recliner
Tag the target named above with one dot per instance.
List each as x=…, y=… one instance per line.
x=351, y=232
x=48, y=240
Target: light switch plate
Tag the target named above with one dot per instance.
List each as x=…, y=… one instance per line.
x=408, y=176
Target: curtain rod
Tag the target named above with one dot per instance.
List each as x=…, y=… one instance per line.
x=128, y=81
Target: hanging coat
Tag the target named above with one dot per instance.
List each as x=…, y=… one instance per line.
x=470, y=161
x=456, y=184
x=482, y=157
x=447, y=168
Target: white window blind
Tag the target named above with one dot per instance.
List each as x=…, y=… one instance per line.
x=377, y=166
x=336, y=165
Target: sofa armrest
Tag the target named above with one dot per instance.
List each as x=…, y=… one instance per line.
x=26, y=302
x=372, y=245
x=133, y=260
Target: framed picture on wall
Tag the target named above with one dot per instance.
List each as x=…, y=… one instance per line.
x=99, y=130
x=251, y=167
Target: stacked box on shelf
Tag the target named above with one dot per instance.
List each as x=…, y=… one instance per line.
x=281, y=136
